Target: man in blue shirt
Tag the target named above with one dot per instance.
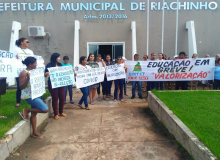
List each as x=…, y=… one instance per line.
x=136, y=58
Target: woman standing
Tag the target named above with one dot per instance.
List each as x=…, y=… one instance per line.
x=56, y=93
x=85, y=90
x=91, y=62
x=196, y=82
x=109, y=83
x=21, y=49
x=216, y=84
x=119, y=83
x=101, y=63
x=37, y=105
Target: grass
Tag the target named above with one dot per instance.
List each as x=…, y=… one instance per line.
x=199, y=111
x=8, y=109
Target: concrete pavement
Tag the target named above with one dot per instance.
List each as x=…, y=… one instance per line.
x=110, y=130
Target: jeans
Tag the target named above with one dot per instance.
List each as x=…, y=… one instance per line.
x=182, y=84
x=159, y=84
x=125, y=87
x=104, y=85
x=151, y=85
x=108, y=88
x=118, y=82
x=37, y=103
x=216, y=84
x=57, y=93
x=85, y=91
x=134, y=87
x=18, y=92
x=70, y=89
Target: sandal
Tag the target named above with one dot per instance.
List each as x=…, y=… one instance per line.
x=80, y=106
x=87, y=108
x=17, y=105
x=56, y=117
x=71, y=102
x=3, y=116
x=63, y=115
x=23, y=117
x=37, y=136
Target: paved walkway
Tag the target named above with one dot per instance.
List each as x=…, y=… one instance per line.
x=110, y=130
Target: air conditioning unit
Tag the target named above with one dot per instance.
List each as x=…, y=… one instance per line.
x=36, y=31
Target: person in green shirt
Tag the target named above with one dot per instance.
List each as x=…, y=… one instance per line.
x=70, y=87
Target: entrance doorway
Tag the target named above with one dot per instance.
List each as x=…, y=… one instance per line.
x=104, y=49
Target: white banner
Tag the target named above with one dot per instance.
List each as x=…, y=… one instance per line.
x=116, y=71
x=89, y=77
x=61, y=76
x=8, y=67
x=21, y=66
x=7, y=54
x=37, y=81
x=169, y=70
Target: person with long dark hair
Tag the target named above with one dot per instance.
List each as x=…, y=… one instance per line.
x=37, y=105
x=85, y=90
x=119, y=83
x=91, y=62
x=108, y=62
x=101, y=63
x=56, y=93
x=21, y=49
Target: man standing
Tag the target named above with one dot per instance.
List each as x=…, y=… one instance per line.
x=151, y=84
x=136, y=58
x=182, y=84
x=160, y=83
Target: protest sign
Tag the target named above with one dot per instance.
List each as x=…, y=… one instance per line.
x=8, y=67
x=37, y=83
x=116, y=71
x=89, y=77
x=61, y=76
x=7, y=54
x=21, y=66
x=169, y=70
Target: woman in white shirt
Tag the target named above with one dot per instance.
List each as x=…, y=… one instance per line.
x=21, y=49
x=85, y=90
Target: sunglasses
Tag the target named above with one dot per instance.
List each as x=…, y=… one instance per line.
x=119, y=59
x=27, y=41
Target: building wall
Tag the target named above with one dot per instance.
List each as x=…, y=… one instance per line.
x=60, y=24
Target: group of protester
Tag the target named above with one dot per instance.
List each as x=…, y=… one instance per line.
x=59, y=94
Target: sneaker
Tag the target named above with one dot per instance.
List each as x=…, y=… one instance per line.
x=132, y=97
x=140, y=97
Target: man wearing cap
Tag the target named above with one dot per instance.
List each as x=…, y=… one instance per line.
x=136, y=58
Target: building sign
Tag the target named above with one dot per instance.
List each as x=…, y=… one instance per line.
x=106, y=6
x=169, y=70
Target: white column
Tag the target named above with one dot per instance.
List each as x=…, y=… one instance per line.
x=162, y=38
x=148, y=8
x=177, y=18
x=134, y=42
x=192, y=48
x=76, y=44
x=16, y=27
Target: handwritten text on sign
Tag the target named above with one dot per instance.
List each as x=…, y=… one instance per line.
x=21, y=66
x=37, y=83
x=61, y=76
x=89, y=77
x=8, y=67
x=169, y=70
x=116, y=71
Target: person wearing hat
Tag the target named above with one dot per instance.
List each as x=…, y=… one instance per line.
x=69, y=87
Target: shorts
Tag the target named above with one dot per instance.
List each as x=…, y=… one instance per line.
x=37, y=103
x=3, y=86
